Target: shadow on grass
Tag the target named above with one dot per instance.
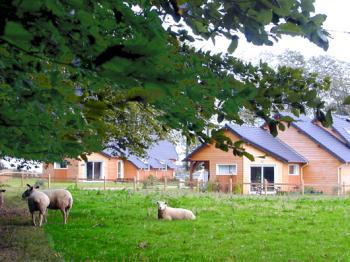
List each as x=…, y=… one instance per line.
x=19, y=240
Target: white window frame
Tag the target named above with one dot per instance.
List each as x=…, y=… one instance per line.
x=296, y=167
x=229, y=164
x=102, y=168
x=57, y=165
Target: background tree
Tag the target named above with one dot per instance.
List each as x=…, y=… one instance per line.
x=323, y=66
x=71, y=70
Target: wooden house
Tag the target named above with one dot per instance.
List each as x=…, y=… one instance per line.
x=159, y=162
x=306, y=151
x=326, y=149
x=274, y=161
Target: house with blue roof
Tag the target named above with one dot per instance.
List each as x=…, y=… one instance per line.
x=159, y=161
x=274, y=161
x=327, y=151
x=306, y=152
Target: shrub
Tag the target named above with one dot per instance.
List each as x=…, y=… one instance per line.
x=237, y=189
x=39, y=183
x=217, y=186
x=150, y=181
x=210, y=186
x=311, y=190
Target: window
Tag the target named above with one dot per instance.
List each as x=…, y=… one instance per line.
x=293, y=170
x=94, y=170
x=226, y=170
x=61, y=165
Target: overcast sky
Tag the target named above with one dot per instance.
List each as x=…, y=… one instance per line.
x=337, y=23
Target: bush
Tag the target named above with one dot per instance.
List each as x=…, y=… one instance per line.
x=39, y=183
x=237, y=189
x=210, y=186
x=311, y=190
x=150, y=181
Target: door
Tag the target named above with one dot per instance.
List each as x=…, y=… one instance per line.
x=94, y=170
x=257, y=176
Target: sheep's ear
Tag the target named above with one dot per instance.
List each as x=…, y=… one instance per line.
x=2, y=190
x=36, y=187
x=166, y=203
x=157, y=202
x=29, y=185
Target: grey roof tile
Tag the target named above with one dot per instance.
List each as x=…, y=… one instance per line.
x=341, y=125
x=157, y=153
x=326, y=140
x=264, y=141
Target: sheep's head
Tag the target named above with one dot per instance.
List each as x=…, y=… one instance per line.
x=161, y=205
x=29, y=190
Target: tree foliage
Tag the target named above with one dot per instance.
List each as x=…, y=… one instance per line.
x=324, y=66
x=75, y=75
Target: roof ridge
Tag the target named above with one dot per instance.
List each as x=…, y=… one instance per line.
x=262, y=147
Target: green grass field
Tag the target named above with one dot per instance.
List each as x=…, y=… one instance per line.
x=122, y=226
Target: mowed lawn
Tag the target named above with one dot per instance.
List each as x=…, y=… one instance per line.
x=122, y=226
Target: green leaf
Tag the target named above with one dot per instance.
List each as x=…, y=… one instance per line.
x=233, y=45
x=319, y=19
x=249, y=156
x=265, y=16
x=308, y=5
x=289, y=28
x=16, y=32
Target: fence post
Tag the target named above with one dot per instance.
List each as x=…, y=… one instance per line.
x=265, y=186
x=134, y=184
x=104, y=183
x=230, y=186
x=49, y=181
x=165, y=183
x=302, y=187
x=22, y=181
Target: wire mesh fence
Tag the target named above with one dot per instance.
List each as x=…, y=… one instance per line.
x=13, y=179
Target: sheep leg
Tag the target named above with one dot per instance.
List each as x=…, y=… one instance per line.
x=40, y=219
x=64, y=216
x=33, y=219
x=67, y=214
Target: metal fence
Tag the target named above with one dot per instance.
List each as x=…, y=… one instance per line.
x=14, y=179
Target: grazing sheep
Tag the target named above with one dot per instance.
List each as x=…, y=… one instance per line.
x=37, y=201
x=60, y=199
x=169, y=213
x=2, y=191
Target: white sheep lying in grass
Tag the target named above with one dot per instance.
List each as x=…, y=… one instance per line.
x=170, y=213
x=60, y=199
x=2, y=191
x=37, y=201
